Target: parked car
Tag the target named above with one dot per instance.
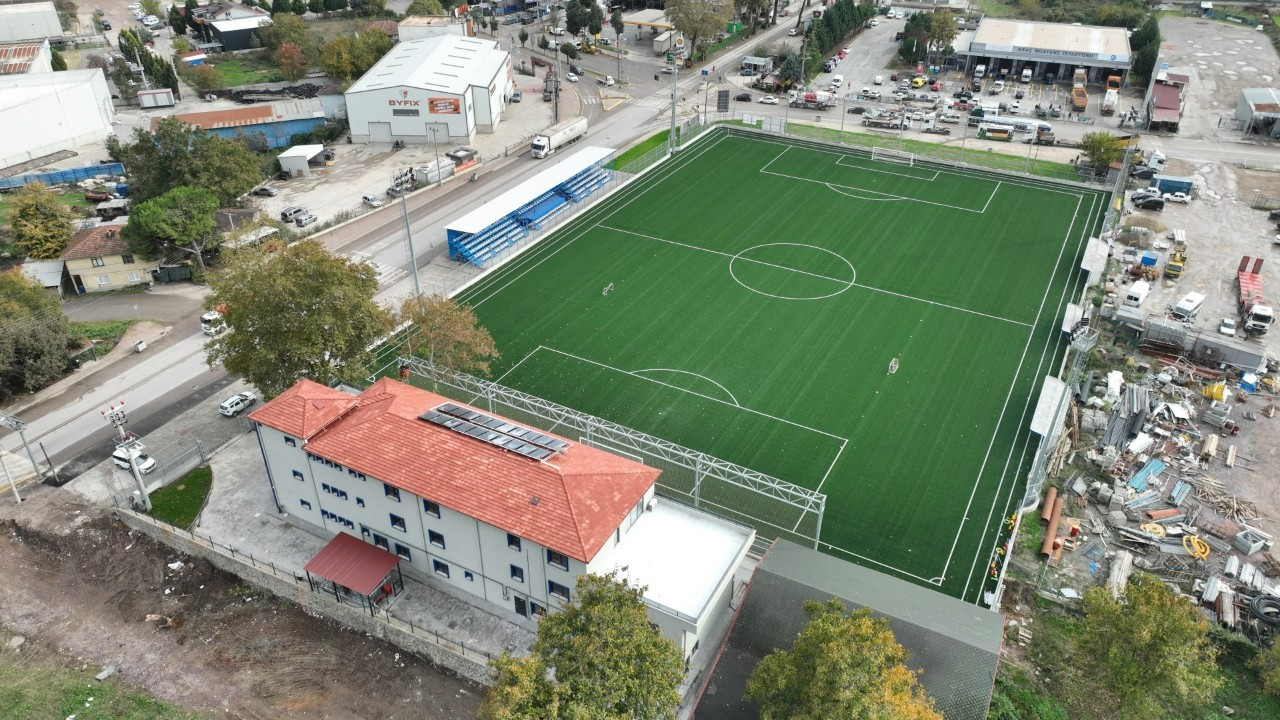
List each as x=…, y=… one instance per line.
x=371, y=201
x=1144, y=173
x=558, y=31
x=1144, y=192
x=743, y=97
x=265, y=191
x=950, y=118
x=106, y=24
x=233, y=405
x=1048, y=78
x=576, y=68
x=1273, y=215
x=768, y=100
x=936, y=86
x=395, y=192
x=1178, y=197
x=1149, y=203
x=304, y=220
x=893, y=77
x=607, y=81
x=145, y=462
x=516, y=95
x=667, y=69
x=848, y=49
x=1227, y=326
x=793, y=32
x=288, y=214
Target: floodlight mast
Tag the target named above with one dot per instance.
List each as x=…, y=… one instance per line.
x=115, y=415
x=13, y=423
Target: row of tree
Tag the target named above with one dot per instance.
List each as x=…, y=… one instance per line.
x=342, y=57
x=928, y=34
x=1144, y=43
x=34, y=342
x=158, y=70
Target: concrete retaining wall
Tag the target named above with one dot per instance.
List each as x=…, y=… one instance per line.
x=468, y=664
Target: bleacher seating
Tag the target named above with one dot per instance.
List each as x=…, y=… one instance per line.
x=481, y=247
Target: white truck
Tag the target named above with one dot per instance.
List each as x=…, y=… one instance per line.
x=1109, y=101
x=662, y=44
x=557, y=136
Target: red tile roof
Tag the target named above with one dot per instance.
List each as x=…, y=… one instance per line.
x=16, y=58
x=1166, y=97
x=352, y=563
x=100, y=241
x=304, y=409
x=571, y=503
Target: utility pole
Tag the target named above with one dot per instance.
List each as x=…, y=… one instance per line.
x=116, y=416
x=408, y=236
x=671, y=139
x=16, y=425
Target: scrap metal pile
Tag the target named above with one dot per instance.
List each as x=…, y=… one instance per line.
x=305, y=91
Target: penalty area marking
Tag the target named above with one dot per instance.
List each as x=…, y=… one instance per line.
x=693, y=374
x=840, y=161
x=887, y=196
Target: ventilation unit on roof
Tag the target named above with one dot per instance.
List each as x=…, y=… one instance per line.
x=495, y=431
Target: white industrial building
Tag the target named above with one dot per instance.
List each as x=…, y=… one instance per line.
x=1258, y=111
x=1045, y=48
x=29, y=21
x=417, y=27
x=44, y=113
x=438, y=89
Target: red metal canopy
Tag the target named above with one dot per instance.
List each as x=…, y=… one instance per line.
x=352, y=563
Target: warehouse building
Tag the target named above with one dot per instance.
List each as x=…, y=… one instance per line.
x=74, y=108
x=1010, y=46
x=439, y=89
x=1258, y=111
x=275, y=122
x=29, y=21
x=417, y=27
x=237, y=34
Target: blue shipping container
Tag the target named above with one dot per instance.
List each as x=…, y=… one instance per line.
x=1172, y=184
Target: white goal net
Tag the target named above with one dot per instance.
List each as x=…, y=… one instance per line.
x=893, y=156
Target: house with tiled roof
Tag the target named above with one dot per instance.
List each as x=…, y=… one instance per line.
x=98, y=259
x=496, y=508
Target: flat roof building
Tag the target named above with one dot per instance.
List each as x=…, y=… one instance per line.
x=1055, y=48
x=1258, y=111
x=29, y=21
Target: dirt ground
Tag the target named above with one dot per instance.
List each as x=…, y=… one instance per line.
x=81, y=582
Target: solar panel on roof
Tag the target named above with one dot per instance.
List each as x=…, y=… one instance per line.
x=495, y=431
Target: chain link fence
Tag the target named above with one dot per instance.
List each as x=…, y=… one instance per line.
x=177, y=459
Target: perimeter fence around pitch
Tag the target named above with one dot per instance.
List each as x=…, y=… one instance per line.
x=773, y=507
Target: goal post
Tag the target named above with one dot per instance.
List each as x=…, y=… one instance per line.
x=607, y=289
x=893, y=156
x=893, y=366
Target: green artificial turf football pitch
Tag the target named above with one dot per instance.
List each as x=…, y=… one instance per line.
x=761, y=289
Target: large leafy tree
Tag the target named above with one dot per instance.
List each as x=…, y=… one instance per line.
x=56, y=61
x=599, y=658
x=177, y=20
x=41, y=225
x=842, y=665
x=447, y=334
x=284, y=28
x=182, y=217
x=293, y=64
x=425, y=7
x=295, y=312
x=1147, y=654
x=33, y=335
x=1267, y=664
x=698, y=19
x=1101, y=148
x=177, y=154
x=942, y=30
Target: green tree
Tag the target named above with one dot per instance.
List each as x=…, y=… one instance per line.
x=182, y=217
x=280, y=7
x=190, y=16
x=599, y=658
x=41, y=226
x=1144, y=61
x=286, y=28
x=336, y=57
x=915, y=38
x=1147, y=34
x=206, y=77
x=942, y=31
x=789, y=71
x=152, y=7
x=374, y=7
x=569, y=51
x=122, y=77
x=1145, y=655
x=56, y=61
x=370, y=47
x=296, y=312
x=543, y=42
x=595, y=18
x=577, y=16
x=618, y=24
x=181, y=45
x=524, y=37
x=841, y=665
x=425, y=7
x=316, y=6
x=447, y=335
x=293, y=65
x=1267, y=663
x=1101, y=148
x=698, y=19
x=177, y=21
x=177, y=154
x=33, y=335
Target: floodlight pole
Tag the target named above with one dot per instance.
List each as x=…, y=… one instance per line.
x=408, y=236
x=116, y=416
x=16, y=425
x=671, y=137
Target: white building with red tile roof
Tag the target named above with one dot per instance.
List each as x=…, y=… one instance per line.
x=493, y=507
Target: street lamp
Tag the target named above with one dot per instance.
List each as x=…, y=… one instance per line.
x=436, y=148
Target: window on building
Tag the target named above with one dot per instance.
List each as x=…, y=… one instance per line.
x=297, y=474
x=513, y=541
x=290, y=441
x=635, y=513
x=391, y=492
x=403, y=551
x=96, y=262
x=466, y=574
x=517, y=573
x=557, y=559
x=397, y=522
x=536, y=608
x=324, y=487
x=364, y=531
x=381, y=542
x=127, y=259
x=359, y=502
x=135, y=277
x=440, y=568
x=104, y=279
x=435, y=538
x=558, y=590
x=305, y=504
x=431, y=508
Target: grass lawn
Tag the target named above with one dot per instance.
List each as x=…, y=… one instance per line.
x=179, y=502
x=242, y=71
x=631, y=154
x=35, y=685
x=106, y=333
x=761, y=289
x=71, y=200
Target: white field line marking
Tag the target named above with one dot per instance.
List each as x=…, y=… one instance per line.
x=995, y=190
x=1008, y=396
x=840, y=161
x=674, y=165
x=775, y=158
x=975, y=173
x=1057, y=339
x=840, y=189
x=728, y=255
x=513, y=367
x=694, y=374
x=824, y=277
x=921, y=578
x=833, y=186
x=825, y=475
x=691, y=392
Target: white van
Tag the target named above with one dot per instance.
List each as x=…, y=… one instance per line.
x=1137, y=293
x=1188, y=307
x=877, y=80
x=1026, y=75
x=979, y=72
